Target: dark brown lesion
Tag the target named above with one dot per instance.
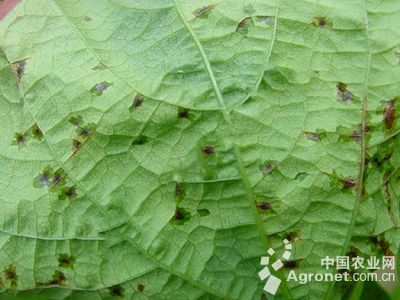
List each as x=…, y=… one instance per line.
x=389, y=114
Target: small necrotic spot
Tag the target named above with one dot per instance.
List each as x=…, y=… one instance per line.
x=183, y=113
x=87, y=18
x=265, y=19
x=244, y=24
x=264, y=206
x=290, y=264
x=58, y=178
x=203, y=10
x=43, y=179
x=19, y=68
x=99, y=88
x=99, y=67
x=76, y=120
x=208, y=150
x=349, y=183
x=58, y=278
x=178, y=189
x=11, y=273
x=301, y=176
x=68, y=192
x=140, y=140
x=313, y=136
x=86, y=131
x=140, y=288
x=319, y=21
x=343, y=93
x=65, y=260
x=181, y=216
x=203, y=212
x=266, y=169
x=389, y=114
x=37, y=132
x=20, y=139
x=117, y=290
x=138, y=101
x=76, y=145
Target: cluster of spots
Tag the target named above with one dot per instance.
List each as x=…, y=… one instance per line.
x=203, y=11
x=263, y=206
x=83, y=132
x=207, y=150
x=58, y=278
x=66, y=261
x=55, y=181
x=19, y=69
x=116, y=290
x=99, y=88
x=343, y=93
x=10, y=274
x=21, y=138
x=319, y=21
x=389, y=114
x=137, y=102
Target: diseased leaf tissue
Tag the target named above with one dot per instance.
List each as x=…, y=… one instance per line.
x=158, y=149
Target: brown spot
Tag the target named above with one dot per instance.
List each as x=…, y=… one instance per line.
x=11, y=273
x=319, y=21
x=389, y=114
x=242, y=26
x=264, y=205
x=76, y=145
x=138, y=101
x=204, y=10
x=86, y=131
x=208, y=150
x=68, y=192
x=181, y=216
x=65, y=260
x=183, y=113
x=99, y=67
x=76, y=120
x=312, y=136
x=140, y=288
x=343, y=93
x=290, y=264
x=19, y=69
x=99, y=88
x=58, y=278
x=37, y=132
x=178, y=189
x=117, y=290
x=20, y=139
x=268, y=168
x=349, y=183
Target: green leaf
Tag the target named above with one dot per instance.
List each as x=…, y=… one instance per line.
x=157, y=149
